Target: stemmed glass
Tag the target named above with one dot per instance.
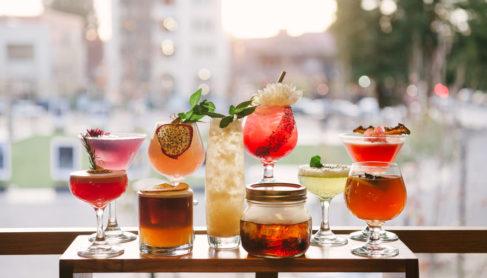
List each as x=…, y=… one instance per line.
x=176, y=150
x=375, y=192
x=115, y=151
x=363, y=148
x=98, y=189
x=270, y=133
x=325, y=182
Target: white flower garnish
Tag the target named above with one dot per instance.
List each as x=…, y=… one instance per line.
x=277, y=94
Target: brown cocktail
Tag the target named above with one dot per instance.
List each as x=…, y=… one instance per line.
x=166, y=220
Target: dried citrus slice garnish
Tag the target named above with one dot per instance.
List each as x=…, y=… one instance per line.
x=381, y=131
x=174, y=139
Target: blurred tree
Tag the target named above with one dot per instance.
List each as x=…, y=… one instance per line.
x=83, y=8
x=420, y=42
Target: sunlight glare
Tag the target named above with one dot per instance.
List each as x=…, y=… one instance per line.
x=261, y=19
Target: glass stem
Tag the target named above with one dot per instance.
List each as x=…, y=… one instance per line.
x=325, y=216
x=268, y=171
x=374, y=240
x=112, y=217
x=100, y=233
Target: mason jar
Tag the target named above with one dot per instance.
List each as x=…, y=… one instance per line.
x=276, y=222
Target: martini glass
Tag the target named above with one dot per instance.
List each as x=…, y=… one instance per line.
x=373, y=148
x=115, y=152
x=270, y=133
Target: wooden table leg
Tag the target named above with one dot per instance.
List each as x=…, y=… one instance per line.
x=266, y=274
x=412, y=269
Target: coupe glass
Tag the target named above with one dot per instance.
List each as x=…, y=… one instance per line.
x=325, y=182
x=270, y=133
x=373, y=148
x=98, y=189
x=176, y=168
x=115, y=152
x=375, y=192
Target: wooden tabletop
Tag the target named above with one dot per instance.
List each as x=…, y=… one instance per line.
x=204, y=259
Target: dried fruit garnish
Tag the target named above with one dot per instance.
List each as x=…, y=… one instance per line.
x=174, y=139
x=279, y=136
x=96, y=132
x=167, y=187
x=380, y=131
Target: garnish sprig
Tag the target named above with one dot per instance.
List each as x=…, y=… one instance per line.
x=237, y=112
x=91, y=152
x=315, y=162
x=199, y=109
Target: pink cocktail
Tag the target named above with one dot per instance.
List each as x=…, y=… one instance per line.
x=270, y=133
x=115, y=151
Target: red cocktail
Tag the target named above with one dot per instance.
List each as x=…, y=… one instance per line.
x=270, y=132
x=373, y=148
x=98, y=189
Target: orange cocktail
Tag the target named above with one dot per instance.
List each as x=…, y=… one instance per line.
x=372, y=197
x=375, y=192
x=176, y=150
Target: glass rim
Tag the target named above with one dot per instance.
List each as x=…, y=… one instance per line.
x=351, y=135
x=380, y=164
x=119, y=136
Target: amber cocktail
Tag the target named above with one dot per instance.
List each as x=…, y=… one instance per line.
x=166, y=220
x=375, y=192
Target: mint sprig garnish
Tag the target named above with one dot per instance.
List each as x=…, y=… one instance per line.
x=237, y=112
x=315, y=162
x=198, y=110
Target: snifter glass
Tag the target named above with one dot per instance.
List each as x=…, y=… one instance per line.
x=375, y=192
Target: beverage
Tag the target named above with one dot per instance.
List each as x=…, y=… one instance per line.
x=166, y=221
x=373, y=151
x=372, y=197
x=270, y=132
x=276, y=240
x=116, y=151
x=375, y=192
x=176, y=166
x=225, y=184
x=98, y=189
x=326, y=182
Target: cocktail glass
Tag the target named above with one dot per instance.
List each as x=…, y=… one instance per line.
x=325, y=182
x=270, y=133
x=372, y=148
x=224, y=184
x=98, y=189
x=176, y=167
x=375, y=192
x=115, y=152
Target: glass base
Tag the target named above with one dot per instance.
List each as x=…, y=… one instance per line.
x=166, y=251
x=116, y=236
x=217, y=242
x=327, y=239
x=376, y=252
x=100, y=251
x=363, y=236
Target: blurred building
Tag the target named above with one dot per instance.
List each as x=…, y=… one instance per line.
x=161, y=48
x=309, y=59
x=42, y=56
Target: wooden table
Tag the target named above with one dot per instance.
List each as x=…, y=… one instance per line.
x=204, y=259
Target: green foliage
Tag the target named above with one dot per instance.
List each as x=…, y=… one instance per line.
x=418, y=42
x=315, y=162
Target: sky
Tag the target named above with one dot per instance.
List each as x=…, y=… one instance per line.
x=240, y=18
